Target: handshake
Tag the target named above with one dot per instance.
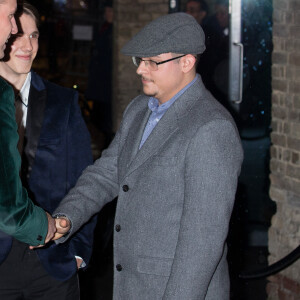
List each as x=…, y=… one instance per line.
x=57, y=227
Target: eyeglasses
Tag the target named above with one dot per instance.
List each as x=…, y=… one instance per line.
x=151, y=64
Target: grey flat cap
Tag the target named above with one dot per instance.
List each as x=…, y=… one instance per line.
x=177, y=33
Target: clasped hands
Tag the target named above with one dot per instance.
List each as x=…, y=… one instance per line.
x=57, y=227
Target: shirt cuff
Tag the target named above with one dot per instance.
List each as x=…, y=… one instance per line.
x=83, y=264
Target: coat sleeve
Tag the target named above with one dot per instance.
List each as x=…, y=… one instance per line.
x=212, y=166
x=19, y=217
x=79, y=157
x=97, y=186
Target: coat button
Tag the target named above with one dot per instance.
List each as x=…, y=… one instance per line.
x=118, y=228
x=125, y=188
x=119, y=267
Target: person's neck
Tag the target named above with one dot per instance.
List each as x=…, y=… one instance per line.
x=15, y=79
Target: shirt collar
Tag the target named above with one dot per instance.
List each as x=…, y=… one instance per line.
x=153, y=103
x=24, y=92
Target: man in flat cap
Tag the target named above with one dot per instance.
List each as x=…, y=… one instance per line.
x=174, y=165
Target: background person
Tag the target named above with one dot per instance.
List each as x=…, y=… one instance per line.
x=198, y=9
x=56, y=149
x=214, y=64
x=18, y=216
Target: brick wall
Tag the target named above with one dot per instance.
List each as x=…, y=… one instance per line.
x=284, y=234
x=130, y=17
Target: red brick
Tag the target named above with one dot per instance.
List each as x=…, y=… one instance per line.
x=296, y=101
x=276, y=98
x=295, y=32
x=273, y=151
x=294, y=87
x=297, y=17
x=294, y=5
x=279, y=4
x=279, y=58
x=279, y=71
x=286, y=128
x=279, y=112
x=280, y=85
x=291, y=285
x=293, y=171
x=292, y=185
x=278, y=139
x=272, y=290
x=294, y=116
x=293, y=143
x=295, y=158
x=277, y=167
x=277, y=181
x=292, y=72
x=283, y=295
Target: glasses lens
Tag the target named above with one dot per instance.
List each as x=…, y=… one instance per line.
x=152, y=65
x=136, y=61
x=148, y=63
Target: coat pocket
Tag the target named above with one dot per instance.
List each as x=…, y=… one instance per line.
x=155, y=266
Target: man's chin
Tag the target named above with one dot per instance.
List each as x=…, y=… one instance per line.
x=148, y=93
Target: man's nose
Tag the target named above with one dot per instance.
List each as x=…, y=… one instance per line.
x=26, y=43
x=141, y=68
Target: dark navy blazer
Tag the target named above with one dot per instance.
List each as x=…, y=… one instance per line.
x=58, y=150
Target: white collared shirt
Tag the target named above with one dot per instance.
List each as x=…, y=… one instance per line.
x=24, y=93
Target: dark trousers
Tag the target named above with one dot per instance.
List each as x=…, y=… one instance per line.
x=22, y=277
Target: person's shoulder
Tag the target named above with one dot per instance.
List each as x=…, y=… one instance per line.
x=4, y=85
x=138, y=103
x=51, y=86
x=6, y=92
x=199, y=101
x=140, y=100
x=42, y=83
x=59, y=94
x=205, y=109
x=208, y=116
x=212, y=109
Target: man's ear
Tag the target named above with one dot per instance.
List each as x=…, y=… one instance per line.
x=188, y=62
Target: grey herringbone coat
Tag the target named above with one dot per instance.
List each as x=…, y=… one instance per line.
x=175, y=199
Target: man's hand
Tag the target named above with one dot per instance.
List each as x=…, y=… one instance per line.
x=79, y=262
x=50, y=233
x=62, y=227
x=51, y=228
x=56, y=229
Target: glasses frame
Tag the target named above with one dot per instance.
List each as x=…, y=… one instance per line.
x=150, y=60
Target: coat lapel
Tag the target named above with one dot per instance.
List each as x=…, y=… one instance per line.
x=164, y=130
x=35, y=117
x=134, y=136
